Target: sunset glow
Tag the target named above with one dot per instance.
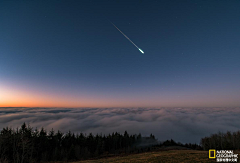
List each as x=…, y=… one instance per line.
x=103, y=79
x=74, y=57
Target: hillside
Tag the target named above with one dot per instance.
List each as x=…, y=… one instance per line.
x=186, y=156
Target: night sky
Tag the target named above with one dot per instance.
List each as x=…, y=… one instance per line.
x=68, y=54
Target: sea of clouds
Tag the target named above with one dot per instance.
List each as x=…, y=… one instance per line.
x=185, y=125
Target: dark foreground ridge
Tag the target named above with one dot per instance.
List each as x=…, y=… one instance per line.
x=27, y=145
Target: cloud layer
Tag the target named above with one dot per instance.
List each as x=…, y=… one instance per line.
x=186, y=125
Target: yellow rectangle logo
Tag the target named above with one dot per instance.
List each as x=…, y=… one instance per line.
x=212, y=153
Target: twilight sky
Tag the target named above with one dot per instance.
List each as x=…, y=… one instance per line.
x=67, y=53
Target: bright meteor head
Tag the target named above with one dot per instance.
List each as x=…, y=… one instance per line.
x=141, y=51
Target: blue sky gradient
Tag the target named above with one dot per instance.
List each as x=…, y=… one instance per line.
x=68, y=50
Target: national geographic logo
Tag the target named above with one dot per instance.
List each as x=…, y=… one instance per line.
x=223, y=155
x=212, y=153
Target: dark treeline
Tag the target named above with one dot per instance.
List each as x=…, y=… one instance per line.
x=222, y=141
x=27, y=145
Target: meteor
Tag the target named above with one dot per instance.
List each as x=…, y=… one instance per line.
x=128, y=38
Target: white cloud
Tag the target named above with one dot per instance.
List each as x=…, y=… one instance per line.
x=181, y=124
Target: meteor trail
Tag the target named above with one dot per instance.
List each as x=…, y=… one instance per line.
x=128, y=38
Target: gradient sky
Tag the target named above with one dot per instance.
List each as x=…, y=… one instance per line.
x=67, y=53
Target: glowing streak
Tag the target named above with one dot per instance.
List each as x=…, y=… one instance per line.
x=128, y=39
x=141, y=51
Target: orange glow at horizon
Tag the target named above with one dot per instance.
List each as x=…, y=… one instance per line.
x=21, y=98
x=13, y=97
x=25, y=97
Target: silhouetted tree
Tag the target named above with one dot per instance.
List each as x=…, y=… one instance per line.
x=26, y=145
x=222, y=141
